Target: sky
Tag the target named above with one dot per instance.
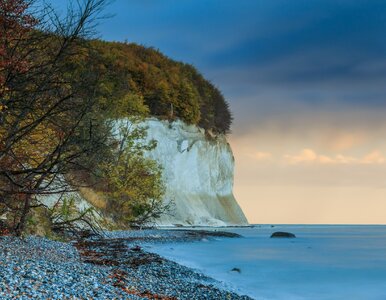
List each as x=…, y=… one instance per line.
x=305, y=80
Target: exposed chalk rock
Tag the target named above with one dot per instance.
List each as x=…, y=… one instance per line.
x=198, y=173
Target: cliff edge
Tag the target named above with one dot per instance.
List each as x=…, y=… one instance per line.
x=198, y=174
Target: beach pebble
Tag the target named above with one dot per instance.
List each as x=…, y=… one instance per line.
x=38, y=268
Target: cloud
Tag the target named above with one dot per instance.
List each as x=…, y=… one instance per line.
x=309, y=156
x=341, y=141
x=266, y=55
x=375, y=157
x=262, y=156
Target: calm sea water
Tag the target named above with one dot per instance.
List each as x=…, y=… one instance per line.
x=323, y=262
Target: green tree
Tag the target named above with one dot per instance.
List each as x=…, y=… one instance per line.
x=134, y=187
x=164, y=85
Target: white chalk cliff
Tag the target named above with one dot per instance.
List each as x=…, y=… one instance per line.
x=198, y=174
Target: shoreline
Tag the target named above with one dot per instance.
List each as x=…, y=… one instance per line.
x=114, y=267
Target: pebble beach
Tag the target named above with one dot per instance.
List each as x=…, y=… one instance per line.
x=115, y=266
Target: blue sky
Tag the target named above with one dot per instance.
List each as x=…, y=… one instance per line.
x=322, y=51
x=306, y=83
x=268, y=56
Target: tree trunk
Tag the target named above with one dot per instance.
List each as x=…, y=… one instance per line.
x=24, y=212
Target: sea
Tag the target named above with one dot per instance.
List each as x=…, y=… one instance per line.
x=322, y=262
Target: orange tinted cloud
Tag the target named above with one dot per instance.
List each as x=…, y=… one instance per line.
x=308, y=156
x=261, y=156
x=345, y=140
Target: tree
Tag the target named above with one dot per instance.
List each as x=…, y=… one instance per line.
x=134, y=186
x=15, y=24
x=165, y=85
x=46, y=120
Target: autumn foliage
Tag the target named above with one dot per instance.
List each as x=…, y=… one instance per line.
x=60, y=92
x=15, y=25
x=44, y=109
x=169, y=89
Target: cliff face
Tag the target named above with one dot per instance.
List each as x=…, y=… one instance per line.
x=198, y=176
x=198, y=172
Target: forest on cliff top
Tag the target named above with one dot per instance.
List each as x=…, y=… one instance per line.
x=168, y=89
x=61, y=94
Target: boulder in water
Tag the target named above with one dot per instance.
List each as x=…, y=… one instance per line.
x=281, y=234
